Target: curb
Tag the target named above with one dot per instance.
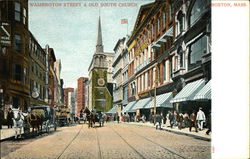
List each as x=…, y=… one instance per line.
x=176, y=132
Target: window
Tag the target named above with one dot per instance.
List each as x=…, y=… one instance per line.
x=170, y=12
x=17, y=11
x=148, y=79
x=17, y=43
x=180, y=54
x=25, y=75
x=3, y=68
x=180, y=23
x=197, y=49
x=164, y=71
x=17, y=72
x=158, y=26
x=197, y=9
x=24, y=15
x=152, y=31
x=30, y=44
x=31, y=85
x=164, y=18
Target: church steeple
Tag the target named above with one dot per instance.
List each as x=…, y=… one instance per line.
x=99, y=46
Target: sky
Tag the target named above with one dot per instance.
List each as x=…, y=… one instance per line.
x=72, y=30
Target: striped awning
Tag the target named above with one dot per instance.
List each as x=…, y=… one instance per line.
x=142, y=103
x=111, y=111
x=204, y=93
x=162, y=100
x=129, y=107
x=189, y=91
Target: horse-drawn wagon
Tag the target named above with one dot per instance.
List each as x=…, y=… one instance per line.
x=42, y=117
x=63, y=115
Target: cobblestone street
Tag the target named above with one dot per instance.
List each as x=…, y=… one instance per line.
x=111, y=141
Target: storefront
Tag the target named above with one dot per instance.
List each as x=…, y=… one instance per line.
x=194, y=95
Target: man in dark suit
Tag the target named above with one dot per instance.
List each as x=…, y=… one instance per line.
x=193, y=122
x=10, y=115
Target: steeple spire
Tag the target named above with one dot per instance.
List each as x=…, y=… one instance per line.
x=99, y=46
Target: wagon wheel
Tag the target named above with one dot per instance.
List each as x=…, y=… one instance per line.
x=47, y=127
x=55, y=126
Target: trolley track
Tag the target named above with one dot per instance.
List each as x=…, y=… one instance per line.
x=99, y=146
x=70, y=143
x=167, y=149
x=129, y=144
x=149, y=140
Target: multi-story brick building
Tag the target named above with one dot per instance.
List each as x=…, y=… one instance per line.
x=37, y=72
x=81, y=92
x=169, y=48
x=24, y=65
x=66, y=96
x=14, y=55
x=149, y=67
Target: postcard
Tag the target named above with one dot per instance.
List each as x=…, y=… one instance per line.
x=122, y=79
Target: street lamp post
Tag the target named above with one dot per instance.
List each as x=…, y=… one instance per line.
x=156, y=83
x=1, y=97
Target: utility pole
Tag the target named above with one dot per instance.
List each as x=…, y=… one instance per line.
x=156, y=83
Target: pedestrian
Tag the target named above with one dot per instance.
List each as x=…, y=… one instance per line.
x=1, y=117
x=176, y=114
x=10, y=115
x=118, y=118
x=84, y=117
x=158, y=121
x=143, y=118
x=209, y=123
x=164, y=119
x=201, y=118
x=180, y=120
x=192, y=122
x=186, y=119
x=171, y=119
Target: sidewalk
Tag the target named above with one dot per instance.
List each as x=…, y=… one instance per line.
x=6, y=133
x=185, y=131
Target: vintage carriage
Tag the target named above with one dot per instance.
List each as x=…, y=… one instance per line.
x=47, y=116
x=63, y=115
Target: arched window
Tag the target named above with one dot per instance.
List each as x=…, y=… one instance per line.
x=179, y=23
x=197, y=9
x=196, y=51
x=180, y=54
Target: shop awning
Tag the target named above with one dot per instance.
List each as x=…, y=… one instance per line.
x=129, y=107
x=142, y=103
x=189, y=91
x=111, y=111
x=162, y=100
x=204, y=93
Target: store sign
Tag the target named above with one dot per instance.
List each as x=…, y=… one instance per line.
x=5, y=38
x=141, y=48
x=146, y=94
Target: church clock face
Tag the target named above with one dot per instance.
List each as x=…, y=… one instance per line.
x=101, y=82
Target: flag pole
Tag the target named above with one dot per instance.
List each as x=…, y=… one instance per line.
x=127, y=27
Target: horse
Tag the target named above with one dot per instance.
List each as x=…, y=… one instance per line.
x=18, y=122
x=90, y=117
x=35, y=121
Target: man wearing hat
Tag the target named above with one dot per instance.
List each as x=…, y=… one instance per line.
x=200, y=118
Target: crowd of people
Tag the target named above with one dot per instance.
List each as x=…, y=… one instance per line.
x=179, y=120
